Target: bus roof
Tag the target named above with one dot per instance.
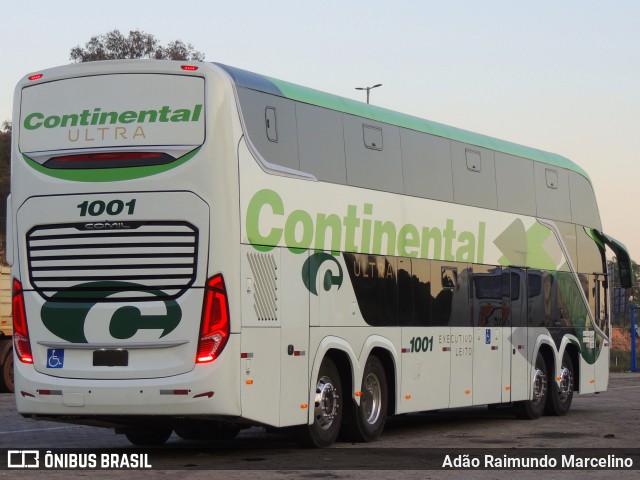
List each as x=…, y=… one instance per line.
x=281, y=88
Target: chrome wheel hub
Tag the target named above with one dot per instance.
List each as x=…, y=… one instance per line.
x=326, y=403
x=566, y=384
x=539, y=386
x=371, y=399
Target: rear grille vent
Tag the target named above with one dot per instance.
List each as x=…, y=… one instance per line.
x=263, y=268
x=117, y=261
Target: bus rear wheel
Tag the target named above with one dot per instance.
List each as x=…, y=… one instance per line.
x=561, y=394
x=534, y=408
x=365, y=422
x=149, y=437
x=327, y=408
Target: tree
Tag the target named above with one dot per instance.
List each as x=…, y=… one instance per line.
x=114, y=45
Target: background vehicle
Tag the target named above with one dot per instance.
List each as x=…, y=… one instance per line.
x=6, y=341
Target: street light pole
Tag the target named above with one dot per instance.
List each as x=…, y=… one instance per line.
x=368, y=89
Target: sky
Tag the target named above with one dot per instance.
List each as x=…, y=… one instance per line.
x=561, y=76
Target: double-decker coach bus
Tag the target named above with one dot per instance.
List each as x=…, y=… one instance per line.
x=196, y=248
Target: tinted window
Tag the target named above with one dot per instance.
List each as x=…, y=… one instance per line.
x=487, y=296
x=374, y=281
x=570, y=302
x=414, y=292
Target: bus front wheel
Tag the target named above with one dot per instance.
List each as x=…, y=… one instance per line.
x=327, y=407
x=534, y=408
x=208, y=431
x=365, y=422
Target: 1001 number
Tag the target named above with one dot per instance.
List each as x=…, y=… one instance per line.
x=421, y=344
x=114, y=207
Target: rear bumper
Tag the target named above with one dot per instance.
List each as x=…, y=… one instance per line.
x=208, y=389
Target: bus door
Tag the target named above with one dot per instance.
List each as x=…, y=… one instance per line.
x=516, y=358
x=488, y=322
x=601, y=310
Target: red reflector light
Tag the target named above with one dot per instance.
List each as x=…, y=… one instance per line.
x=174, y=392
x=21, y=341
x=50, y=392
x=214, y=327
x=109, y=160
x=190, y=68
x=37, y=76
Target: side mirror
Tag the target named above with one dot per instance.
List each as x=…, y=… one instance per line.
x=626, y=271
x=622, y=256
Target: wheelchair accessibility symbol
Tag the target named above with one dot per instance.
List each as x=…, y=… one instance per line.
x=55, y=358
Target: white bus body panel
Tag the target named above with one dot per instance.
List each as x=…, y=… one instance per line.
x=275, y=338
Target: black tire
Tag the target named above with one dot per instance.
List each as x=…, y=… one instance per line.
x=208, y=432
x=365, y=422
x=149, y=437
x=534, y=408
x=327, y=408
x=560, y=396
x=7, y=384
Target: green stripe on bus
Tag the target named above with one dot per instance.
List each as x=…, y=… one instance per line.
x=372, y=112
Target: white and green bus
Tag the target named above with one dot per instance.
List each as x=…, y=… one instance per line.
x=197, y=248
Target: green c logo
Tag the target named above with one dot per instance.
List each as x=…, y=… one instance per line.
x=310, y=270
x=66, y=316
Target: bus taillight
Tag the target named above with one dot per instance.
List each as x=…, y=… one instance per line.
x=20, y=331
x=214, y=327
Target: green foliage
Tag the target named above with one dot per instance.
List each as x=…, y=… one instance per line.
x=114, y=45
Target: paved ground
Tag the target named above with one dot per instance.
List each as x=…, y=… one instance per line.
x=410, y=444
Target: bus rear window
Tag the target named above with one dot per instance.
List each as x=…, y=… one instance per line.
x=114, y=112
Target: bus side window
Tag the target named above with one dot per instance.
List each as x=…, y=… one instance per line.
x=449, y=277
x=536, y=298
x=374, y=282
x=443, y=294
x=570, y=303
x=421, y=279
x=414, y=292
